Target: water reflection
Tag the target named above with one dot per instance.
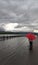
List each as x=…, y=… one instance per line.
x=3, y=38
x=9, y=36
x=16, y=51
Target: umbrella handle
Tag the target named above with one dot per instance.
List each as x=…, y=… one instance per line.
x=30, y=40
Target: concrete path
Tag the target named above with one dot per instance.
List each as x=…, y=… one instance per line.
x=16, y=52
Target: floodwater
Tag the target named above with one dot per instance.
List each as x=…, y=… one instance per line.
x=16, y=51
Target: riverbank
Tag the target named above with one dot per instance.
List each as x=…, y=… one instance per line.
x=16, y=51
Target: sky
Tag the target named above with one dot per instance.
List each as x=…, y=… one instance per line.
x=16, y=13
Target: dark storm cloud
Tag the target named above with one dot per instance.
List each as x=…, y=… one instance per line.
x=19, y=11
x=16, y=10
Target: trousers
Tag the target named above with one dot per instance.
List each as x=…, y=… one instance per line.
x=31, y=45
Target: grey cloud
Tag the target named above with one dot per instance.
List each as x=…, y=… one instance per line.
x=19, y=11
x=2, y=29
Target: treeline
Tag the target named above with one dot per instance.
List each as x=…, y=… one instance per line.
x=16, y=32
x=12, y=32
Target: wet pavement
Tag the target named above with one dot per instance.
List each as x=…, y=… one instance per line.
x=16, y=51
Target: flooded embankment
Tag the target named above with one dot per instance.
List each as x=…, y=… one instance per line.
x=15, y=51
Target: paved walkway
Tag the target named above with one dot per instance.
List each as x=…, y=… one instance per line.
x=16, y=52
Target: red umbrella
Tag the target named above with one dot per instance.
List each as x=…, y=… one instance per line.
x=31, y=36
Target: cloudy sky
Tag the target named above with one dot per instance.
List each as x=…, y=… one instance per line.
x=16, y=12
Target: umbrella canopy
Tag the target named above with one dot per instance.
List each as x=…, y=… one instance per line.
x=31, y=36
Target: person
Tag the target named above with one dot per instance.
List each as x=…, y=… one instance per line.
x=31, y=37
